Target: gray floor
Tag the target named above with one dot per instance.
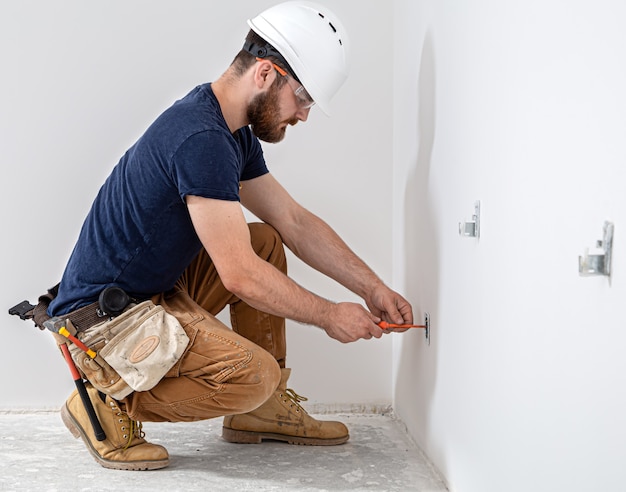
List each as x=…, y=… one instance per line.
x=38, y=453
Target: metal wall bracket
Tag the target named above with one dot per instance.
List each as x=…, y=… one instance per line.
x=598, y=263
x=427, y=325
x=471, y=228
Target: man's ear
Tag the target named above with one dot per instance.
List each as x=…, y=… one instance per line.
x=264, y=73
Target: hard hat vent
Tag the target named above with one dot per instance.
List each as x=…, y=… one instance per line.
x=313, y=42
x=331, y=26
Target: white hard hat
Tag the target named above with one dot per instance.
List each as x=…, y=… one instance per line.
x=313, y=42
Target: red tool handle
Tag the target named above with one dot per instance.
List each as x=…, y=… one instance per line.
x=78, y=343
x=384, y=325
x=84, y=396
x=66, y=333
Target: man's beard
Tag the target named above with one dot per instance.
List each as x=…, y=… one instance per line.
x=264, y=116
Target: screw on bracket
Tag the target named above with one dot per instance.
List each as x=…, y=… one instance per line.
x=472, y=227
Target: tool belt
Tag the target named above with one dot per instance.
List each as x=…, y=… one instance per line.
x=82, y=318
x=131, y=351
x=135, y=350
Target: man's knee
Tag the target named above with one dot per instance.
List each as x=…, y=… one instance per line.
x=263, y=231
x=268, y=244
x=263, y=379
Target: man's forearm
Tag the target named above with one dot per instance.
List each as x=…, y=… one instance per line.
x=318, y=245
x=267, y=289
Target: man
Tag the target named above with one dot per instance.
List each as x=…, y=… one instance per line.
x=168, y=225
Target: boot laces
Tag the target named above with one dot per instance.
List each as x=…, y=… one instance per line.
x=295, y=398
x=131, y=428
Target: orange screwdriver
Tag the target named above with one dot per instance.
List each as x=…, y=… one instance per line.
x=384, y=325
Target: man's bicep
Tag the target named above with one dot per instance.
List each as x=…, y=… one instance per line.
x=222, y=229
x=269, y=201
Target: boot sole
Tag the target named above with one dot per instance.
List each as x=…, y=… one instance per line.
x=250, y=437
x=77, y=431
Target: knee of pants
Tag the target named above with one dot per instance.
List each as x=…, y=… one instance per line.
x=265, y=381
x=268, y=244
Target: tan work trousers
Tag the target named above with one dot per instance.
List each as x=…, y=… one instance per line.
x=223, y=371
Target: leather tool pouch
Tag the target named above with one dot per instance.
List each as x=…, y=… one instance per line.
x=134, y=350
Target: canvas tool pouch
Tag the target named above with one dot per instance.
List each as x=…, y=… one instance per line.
x=134, y=350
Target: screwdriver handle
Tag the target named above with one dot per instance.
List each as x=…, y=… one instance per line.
x=384, y=325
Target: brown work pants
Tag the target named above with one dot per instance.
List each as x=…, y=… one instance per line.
x=222, y=371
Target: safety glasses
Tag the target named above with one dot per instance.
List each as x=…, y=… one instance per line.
x=304, y=99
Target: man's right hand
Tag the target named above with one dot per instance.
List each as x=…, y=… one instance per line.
x=349, y=322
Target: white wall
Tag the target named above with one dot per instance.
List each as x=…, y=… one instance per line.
x=520, y=105
x=82, y=80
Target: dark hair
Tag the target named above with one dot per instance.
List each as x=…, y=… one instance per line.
x=253, y=47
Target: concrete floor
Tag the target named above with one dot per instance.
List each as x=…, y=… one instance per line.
x=38, y=453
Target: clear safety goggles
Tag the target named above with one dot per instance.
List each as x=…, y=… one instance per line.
x=305, y=101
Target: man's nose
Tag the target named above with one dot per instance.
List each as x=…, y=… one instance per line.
x=303, y=114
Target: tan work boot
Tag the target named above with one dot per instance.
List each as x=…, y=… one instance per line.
x=124, y=447
x=282, y=418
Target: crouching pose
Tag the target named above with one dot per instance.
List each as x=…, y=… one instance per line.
x=167, y=230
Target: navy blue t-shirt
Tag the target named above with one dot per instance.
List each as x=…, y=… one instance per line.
x=138, y=234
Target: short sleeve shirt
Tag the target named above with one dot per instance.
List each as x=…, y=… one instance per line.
x=138, y=234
